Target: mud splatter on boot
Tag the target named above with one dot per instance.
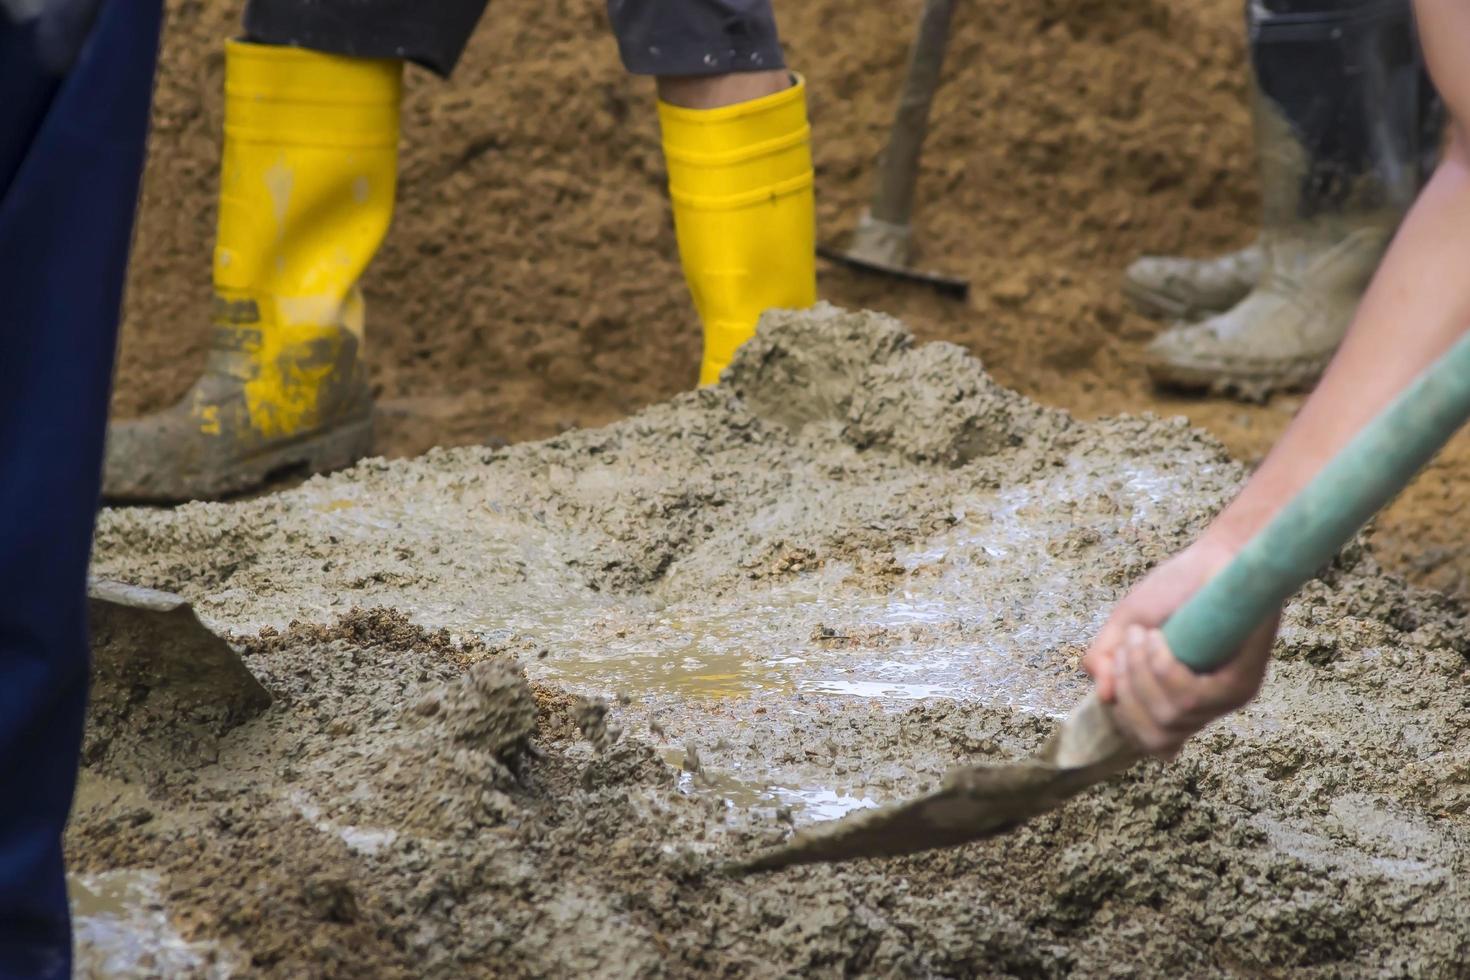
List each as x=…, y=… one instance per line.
x=1282, y=335
x=1169, y=287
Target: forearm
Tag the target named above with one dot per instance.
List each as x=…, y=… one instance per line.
x=1417, y=306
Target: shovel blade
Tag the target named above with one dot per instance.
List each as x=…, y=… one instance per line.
x=162, y=682
x=154, y=640
x=949, y=286
x=974, y=803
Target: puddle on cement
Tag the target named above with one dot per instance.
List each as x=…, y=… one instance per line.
x=121, y=928
x=989, y=611
x=813, y=802
x=981, y=612
x=961, y=623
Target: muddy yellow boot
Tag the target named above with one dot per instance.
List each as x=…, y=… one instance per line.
x=1170, y=287
x=740, y=178
x=306, y=192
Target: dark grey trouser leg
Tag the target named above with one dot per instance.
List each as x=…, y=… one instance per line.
x=695, y=37
x=432, y=33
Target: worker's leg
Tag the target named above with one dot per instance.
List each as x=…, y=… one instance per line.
x=738, y=149
x=307, y=182
x=431, y=33
x=717, y=91
x=1176, y=288
x=72, y=130
x=1343, y=112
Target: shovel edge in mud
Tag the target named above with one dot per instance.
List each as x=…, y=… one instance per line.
x=154, y=640
x=974, y=803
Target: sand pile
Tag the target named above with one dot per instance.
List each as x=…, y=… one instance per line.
x=812, y=589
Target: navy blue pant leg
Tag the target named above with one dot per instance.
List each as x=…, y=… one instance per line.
x=74, y=102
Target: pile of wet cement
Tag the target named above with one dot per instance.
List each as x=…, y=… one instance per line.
x=818, y=586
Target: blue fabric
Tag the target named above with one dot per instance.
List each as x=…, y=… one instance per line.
x=71, y=155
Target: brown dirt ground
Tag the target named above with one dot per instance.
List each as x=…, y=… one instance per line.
x=530, y=282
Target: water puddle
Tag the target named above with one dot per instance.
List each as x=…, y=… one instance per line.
x=121, y=928
x=989, y=610
x=985, y=611
x=810, y=802
x=821, y=803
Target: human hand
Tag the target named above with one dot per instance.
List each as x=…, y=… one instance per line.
x=1156, y=700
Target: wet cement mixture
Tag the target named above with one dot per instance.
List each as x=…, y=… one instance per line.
x=529, y=699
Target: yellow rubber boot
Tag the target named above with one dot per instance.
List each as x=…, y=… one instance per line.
x=307, y=181
x=740, y=178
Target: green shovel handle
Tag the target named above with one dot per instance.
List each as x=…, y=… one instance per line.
x=1380, y=461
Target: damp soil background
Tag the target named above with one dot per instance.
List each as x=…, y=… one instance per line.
x=530, y=280
x=811, y=589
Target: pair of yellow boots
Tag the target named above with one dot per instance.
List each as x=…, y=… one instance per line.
x=306, y=194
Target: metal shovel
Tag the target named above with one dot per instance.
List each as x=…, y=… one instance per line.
x=150, y=644
x=883, y=241
x=982, y=801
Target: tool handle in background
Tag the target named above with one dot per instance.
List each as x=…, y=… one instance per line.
x=893, y=200
x=1206, y=631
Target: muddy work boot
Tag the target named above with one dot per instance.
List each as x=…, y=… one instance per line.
x=307, y=181
x=306, y=410
x=1345, y=126
x=1281, y=336
x=1170, y=288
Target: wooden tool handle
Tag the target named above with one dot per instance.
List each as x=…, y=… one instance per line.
x=893, y=200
